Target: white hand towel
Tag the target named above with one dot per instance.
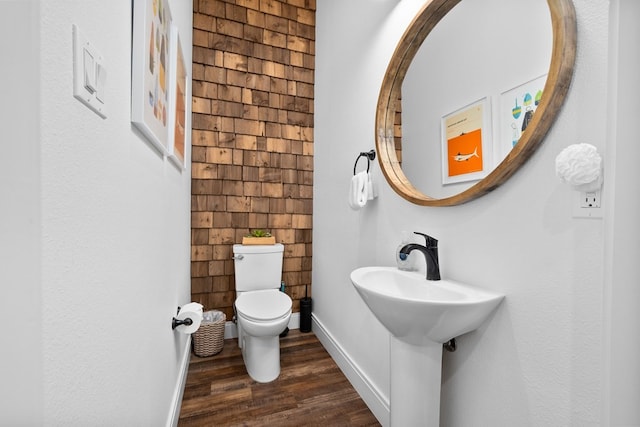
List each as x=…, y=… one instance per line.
x=372, y=191
x=352, y=197
x=358, y=191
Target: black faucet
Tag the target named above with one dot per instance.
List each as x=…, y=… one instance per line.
x=430, y=252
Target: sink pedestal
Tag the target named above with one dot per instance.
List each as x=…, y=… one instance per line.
x=416, y=372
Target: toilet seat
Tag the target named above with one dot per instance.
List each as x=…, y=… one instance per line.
x=263, y=305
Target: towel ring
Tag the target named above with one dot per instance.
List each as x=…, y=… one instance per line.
x=370, y=155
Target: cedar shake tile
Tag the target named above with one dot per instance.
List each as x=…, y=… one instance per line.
x=201, y=105
x=201, y=253
x=259, y=220
x=206, y=186
x=200, y=38
x=214, y=8
x=199, y=269
x=250, y=173
x=272, y=7
x=204, y=171
x=277, y=206
x=236, y=13
x=203, y=22
x=216, y=268
x=221, y=236
x=198, y=203
x=276, y=24
x=229, y=93
x=230, y=172
x=290, y=12
x=238, y=203
x=256, y=18
x=199, y=236
x=232, y=188
x=229, y=28
x=306, y=16
x=260, y=205
x=201, y=285
x=253, y=34
x=249, y=4
x=221, y=283
x=201, y=219
x=252, y=189
x=198, y=154
x=215, y=74
x=250, y=112
x=204, y=89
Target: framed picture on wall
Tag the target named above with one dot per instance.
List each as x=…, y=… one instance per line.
x=517, y=107
x=150, y=70
x=178, y=82
x=467, y=147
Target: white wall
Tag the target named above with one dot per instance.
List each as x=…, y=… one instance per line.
x=540, y=360
x=109, y=232
x=622, y=293
x=20, y=270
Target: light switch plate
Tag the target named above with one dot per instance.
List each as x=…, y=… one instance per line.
x=88, y=83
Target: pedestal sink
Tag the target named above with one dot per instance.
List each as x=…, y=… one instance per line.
x=420, y=315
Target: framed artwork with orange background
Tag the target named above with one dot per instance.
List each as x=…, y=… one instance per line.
x=467, y=144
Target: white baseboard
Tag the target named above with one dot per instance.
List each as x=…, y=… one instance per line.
x=376, y=402
x=178, y=393
x=231, y=330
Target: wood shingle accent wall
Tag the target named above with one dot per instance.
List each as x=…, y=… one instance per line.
x=252, y=141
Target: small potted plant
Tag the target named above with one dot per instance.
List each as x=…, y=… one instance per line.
x=259, y=237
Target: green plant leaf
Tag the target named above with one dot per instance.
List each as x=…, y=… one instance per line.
x=259, y=233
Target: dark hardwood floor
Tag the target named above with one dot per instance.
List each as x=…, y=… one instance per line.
x=310, y=391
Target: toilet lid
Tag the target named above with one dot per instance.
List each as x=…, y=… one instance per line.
x=263, y=305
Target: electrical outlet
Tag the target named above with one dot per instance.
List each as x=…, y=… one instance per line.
x=590, y=199
x=588, y=204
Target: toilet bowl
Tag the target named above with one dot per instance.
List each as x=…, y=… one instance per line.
x=262, y=315
x=262, y=311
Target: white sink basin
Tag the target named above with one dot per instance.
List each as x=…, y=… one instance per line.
x=414, y=309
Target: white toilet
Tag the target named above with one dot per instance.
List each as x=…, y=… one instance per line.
x=262, y=311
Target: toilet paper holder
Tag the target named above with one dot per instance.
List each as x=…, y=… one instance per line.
x=177, y=322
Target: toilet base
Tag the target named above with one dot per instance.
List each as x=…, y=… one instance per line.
x=261, y=357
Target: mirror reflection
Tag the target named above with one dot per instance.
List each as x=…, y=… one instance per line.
x=459, y=117
x=478, y=68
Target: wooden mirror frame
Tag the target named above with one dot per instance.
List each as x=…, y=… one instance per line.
x=563, y=21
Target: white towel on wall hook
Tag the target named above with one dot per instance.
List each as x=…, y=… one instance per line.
x=372, y=191
x=358, y=193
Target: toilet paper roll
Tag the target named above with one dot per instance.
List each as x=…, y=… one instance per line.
x=191, y=311
x=192, y=306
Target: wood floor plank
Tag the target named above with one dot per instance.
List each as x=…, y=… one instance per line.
x=310, y=391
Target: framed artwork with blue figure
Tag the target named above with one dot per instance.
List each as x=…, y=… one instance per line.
x=517, y=107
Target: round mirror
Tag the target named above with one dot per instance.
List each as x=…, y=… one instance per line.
x=460, y=111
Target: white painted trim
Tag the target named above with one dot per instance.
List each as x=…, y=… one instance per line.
x=178, y=393
x=376, y=402
x=231, y=330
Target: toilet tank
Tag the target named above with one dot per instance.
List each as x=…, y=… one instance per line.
x=257, y=266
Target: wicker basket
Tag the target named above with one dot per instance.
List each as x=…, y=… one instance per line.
x=209, y=338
